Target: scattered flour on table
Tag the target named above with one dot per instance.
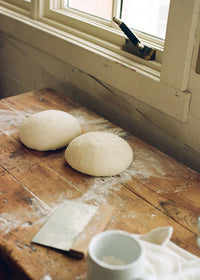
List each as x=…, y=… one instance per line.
x=40, y=209
x=8, y=222
x=150, y=167
x=145, y=163
x=79, y=277
x=37, y=214
x=32, y=111
x=47, y=277
x=139, y=215
x=99, y=189
x=144, y=166
x=181, y=188
x=99, y=123
x=10, y=120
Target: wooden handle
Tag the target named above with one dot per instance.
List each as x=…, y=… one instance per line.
x=97, y=224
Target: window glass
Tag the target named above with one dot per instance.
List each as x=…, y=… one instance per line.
x=146, y=16
x=102, y=8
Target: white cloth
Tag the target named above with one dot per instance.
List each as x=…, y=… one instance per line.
x=163, y=260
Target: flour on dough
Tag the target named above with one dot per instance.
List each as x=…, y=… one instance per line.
x=99, y=154
x=49, y=130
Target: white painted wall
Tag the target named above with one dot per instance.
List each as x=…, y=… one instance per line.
x=24, y=68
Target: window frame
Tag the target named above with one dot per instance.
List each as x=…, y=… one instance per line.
x=59, y=4
x=21, y=4
x=166, y=82
x=178, y=44
x=93, y=29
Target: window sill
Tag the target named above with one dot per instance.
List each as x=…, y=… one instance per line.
x=108, y=66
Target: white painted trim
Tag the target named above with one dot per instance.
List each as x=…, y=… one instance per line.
x=20, y=3
x=21, y=9
x=179, y=43
x=97, y=31
x=109, y=67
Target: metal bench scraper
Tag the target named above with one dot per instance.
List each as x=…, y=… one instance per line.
x=72, y=226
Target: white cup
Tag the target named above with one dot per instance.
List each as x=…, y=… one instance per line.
x=115, y=255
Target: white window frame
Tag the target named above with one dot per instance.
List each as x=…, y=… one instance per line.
x=96, y=31
x=23, y=7
x=162, y=85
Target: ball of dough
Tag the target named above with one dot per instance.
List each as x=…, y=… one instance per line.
x=49, y=130
x=99, y=154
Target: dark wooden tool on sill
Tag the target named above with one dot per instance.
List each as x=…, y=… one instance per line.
x=133, y=44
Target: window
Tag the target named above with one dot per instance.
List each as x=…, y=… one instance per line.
x=23, y=4
x=94, y=45
x=95, y=23
x=101, y=9
x=147, y=16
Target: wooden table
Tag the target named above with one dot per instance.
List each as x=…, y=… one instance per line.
x=155, y=191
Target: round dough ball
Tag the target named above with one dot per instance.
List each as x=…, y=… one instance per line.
x=99, y=154
x=49, y=130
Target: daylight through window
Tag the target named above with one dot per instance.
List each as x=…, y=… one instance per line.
x=146, y=16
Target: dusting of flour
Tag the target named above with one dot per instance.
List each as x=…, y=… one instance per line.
x=46, y=277
x=37, y=214
x=99, y=189
x=146, y=163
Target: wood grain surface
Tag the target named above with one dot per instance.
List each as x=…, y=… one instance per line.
x=154, y=191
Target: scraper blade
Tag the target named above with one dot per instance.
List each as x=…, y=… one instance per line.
x=65, y=228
